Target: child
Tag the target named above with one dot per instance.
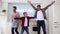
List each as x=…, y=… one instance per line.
x=25, y=22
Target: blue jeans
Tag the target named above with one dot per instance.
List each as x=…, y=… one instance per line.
x=26, y=29
x=39, y=25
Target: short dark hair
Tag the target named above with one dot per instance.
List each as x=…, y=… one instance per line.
x=38, y=5
x=14, y=7
x=24, y=12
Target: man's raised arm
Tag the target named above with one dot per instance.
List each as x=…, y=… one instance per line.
x=32, y=4
x=49, y=5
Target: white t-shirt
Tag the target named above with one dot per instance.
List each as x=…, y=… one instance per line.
x=40, y=15
x=26, y=22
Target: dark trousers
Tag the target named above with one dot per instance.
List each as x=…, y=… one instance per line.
x=41, y=24
x=14, y=29
x=26, y=29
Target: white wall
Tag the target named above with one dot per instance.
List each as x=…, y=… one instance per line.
x=2, y=23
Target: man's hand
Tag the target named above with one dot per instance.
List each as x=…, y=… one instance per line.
x=53, y=2
x=29, y=1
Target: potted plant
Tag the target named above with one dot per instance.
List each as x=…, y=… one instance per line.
x=4, y=10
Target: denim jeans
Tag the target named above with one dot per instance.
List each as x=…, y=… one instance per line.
x=39, y=25
x=26, y=29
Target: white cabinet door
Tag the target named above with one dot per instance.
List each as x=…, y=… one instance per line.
x=56, y=24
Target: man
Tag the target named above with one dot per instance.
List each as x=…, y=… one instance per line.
x=15, y=22
x=40, y=14
x=25, y=22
